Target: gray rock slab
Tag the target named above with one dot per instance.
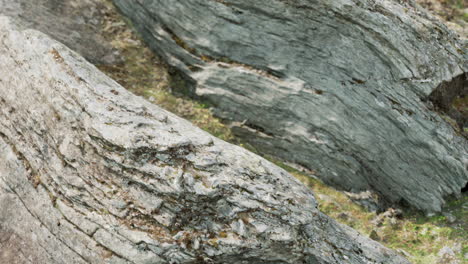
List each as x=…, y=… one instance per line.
x=339, y=87
x=76, y=23
x=90, y=173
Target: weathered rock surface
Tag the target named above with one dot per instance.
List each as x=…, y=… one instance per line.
x=340, y=87
x=76, y=23
x=90, y=173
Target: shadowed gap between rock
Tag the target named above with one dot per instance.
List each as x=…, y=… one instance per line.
x=451, y=98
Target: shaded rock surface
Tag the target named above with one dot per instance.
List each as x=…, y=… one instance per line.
x=339, y=87
x=90, y=173
x=76, y=23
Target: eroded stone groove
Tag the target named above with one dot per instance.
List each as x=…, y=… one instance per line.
x=119, y=180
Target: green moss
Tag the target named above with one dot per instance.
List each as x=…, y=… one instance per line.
x=419, y=235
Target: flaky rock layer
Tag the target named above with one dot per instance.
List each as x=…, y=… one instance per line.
x=340, y=87
x=90, y=173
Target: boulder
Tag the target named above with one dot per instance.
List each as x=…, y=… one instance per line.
x=90, y=173
x=76, y=23
x=343, y=88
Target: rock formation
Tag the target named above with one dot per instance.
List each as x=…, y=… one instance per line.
x=90, y=173
x=339, y=87
x=76, y=23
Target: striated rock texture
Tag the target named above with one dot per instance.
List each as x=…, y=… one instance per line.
x=90, y=173
x=339, y=87
x=77, y=23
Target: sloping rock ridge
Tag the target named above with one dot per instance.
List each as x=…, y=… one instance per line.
x=76, y=23
x=90, y=173
x=338, y=87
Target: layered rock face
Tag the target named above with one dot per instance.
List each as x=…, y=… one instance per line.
x=90, y=173
x=339, y=87
x=76, y=23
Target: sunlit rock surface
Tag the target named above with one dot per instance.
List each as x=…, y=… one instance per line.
x=90, y=173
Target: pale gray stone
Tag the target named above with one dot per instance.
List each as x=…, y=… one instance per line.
x=90, y=173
